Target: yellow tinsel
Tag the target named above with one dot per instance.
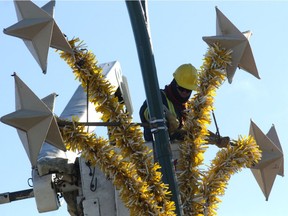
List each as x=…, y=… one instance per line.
x=197, y=121
x=135, y=156
x=243, y=153
x=123, y=173
x=132, y=169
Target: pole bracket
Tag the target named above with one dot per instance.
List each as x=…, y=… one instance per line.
x=157, y=124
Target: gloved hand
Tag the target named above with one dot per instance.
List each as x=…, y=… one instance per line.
x=173, y=123
x=220, y=142
x=173, y=126
x=223, y=142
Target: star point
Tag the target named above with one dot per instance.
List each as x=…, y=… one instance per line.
x=38, y=29
x=34, y=121
x=230, y=37
x=271, y=163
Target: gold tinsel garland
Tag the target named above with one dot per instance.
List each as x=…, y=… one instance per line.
x=192, y=180
x=134, y=163
x=192, y=150
x=242, y=153
x=123, y=173
x=132, y=170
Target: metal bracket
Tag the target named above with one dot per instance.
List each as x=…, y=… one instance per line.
x=157, y=124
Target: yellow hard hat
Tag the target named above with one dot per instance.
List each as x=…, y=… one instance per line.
x=186, y=76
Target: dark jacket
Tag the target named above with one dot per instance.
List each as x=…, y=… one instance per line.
x=170, y=99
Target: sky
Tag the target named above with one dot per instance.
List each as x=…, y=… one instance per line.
x=177, y=28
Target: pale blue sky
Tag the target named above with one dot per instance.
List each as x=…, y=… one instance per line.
x=177, y=28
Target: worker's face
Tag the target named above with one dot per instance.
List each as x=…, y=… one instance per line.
x=183, y=92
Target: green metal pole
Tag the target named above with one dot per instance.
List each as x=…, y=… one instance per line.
x=154, y=101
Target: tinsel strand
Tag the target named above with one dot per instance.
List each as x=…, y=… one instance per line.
x=244, y=153
x=126, y=137
x=192, y=149
x=97, y=150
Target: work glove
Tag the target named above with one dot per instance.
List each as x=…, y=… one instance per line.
x=172, y=121
x=173, y=126
x=220, y=142
x=223, y=142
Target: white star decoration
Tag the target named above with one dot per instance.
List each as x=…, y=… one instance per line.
x=231, y=38
x=38, y=30
x=34, y=121
x=271, y=163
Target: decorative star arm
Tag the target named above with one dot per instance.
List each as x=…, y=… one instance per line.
x=229, y=37
x=38, y=29
x=271, y=162
x=34, y=121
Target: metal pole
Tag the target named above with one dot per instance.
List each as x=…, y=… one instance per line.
x=63, y=123
x=15, y=196
x=154, y=101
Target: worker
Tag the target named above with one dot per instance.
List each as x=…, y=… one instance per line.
x=174, y=97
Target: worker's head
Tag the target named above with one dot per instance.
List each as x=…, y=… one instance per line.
x=186, y=77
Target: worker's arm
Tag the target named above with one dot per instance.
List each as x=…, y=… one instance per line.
x=178, y=134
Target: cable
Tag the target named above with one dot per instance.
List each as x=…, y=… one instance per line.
x=93, y=185
x=29, y=181
x=217, y=129
x=93, y=182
